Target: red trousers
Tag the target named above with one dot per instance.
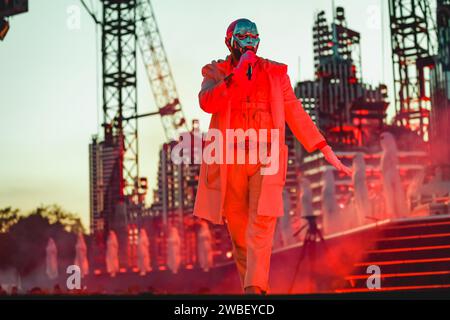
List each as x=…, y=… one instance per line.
x=251, y=234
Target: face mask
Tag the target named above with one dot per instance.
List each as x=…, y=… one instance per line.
x=244, y=36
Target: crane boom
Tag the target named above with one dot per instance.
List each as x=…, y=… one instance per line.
x=158, y=71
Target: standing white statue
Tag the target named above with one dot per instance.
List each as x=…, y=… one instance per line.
x=305, y=200
x=393, y=190
x=306, y=196
x=283, y=228
x=173, y=250
x=285, y=222
x=204, y=246
x=361, y=202
x=330, y=208
x=143, y=253
x=414, y=188
x=51, y=259
x=438, y=185
x=81, y=255
x=112, y=254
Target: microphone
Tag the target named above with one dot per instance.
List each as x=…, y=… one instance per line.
x=249, y=67
x=249, y=71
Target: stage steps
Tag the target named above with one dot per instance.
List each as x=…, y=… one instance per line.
x=412, y=255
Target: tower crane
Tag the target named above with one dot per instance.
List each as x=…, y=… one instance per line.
x=127, y=27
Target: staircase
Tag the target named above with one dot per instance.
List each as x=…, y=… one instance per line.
x=413, y=254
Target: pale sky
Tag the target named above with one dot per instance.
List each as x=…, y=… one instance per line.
x=48, y=82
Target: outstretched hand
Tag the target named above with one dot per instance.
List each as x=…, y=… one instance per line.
x=330, y=156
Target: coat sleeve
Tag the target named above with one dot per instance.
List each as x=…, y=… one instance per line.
x=213, y=94
x=299, y=120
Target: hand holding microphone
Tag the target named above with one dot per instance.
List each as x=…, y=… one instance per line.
x=242, y=73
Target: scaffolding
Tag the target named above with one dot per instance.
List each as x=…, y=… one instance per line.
x=440, y=113
x=413, y=47
x=337, y=100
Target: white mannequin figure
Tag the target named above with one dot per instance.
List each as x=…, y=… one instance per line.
x=112, y=254
x=143, y=253
x=173, y=250
x=81, y=255
x=361, y=202
x=392, y=185
x=51, y=259
x=306, y=197
x=329, y=205
x=414, y=188
x=283, y=230
x=204, y=246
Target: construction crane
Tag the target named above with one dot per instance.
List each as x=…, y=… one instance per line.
x=117, y=190
x=126, y=24
x=158, y=71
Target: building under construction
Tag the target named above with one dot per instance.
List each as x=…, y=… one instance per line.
x=350, y=113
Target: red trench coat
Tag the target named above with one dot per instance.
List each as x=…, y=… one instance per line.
x=285, y=107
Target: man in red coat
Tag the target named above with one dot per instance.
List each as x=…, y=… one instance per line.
x=248, y=93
